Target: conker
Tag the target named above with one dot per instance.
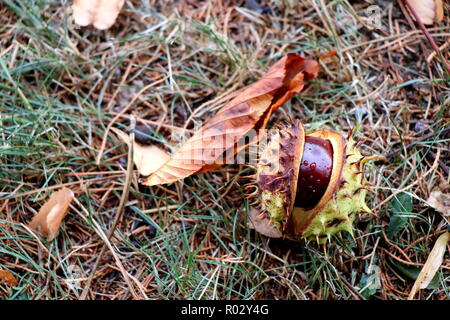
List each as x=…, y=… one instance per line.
x=315, y=172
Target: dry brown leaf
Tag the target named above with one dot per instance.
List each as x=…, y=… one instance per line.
x=48, y=220
x=8, y=277
x=440, y=201
x=250, y=109
x=147, y=159
x=432, y=264
x=261, y=224
x=100, y=13
x=429, y=11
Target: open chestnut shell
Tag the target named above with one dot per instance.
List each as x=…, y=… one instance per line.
x=310, y=186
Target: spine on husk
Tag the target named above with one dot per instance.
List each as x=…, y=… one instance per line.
x=310, y=186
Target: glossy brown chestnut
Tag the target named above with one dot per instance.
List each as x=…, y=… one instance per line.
x=315, y=172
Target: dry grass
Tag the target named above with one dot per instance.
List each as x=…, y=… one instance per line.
x=60, y=86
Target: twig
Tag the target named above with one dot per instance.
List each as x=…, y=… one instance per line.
x=352, y=290
x=412, y=144
x=433, y=54
x=427, y=237
x=395, y=246
x=430, y=154
x=427, y=34
x=407, y=262
x=119, y=213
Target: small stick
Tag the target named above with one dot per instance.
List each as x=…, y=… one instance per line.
x=427, y=34
x=427, y=237
x=352, y=290
x=433, y=54
x=119, y=213
x=409, y=263
x=430, y=154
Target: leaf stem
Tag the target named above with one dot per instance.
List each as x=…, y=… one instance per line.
x=119, y=213
x=427, y=34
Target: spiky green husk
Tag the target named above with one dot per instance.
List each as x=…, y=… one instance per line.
x=273, y=204
x=335, y=216
x=339, y=213
x=277, y=172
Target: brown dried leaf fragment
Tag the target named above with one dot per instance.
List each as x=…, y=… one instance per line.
x=249, y=110
x=8, y=277
x=100, y=13
x=432, y=264
x=261, y=223
x=147, y=159
x=429, y=11
x=49, y=218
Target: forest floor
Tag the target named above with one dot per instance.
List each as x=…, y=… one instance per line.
x=61, y=85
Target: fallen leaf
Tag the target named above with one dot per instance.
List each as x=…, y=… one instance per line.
x=412, y=272
x=370, y=281
x=432, y=265
x=249, y=110
x=8, y=277
x=261, y=224
x=147, y=159
x=100, y=13
x=48, y=220
x=429, y=11
x=402, y=208
x=440, y=201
